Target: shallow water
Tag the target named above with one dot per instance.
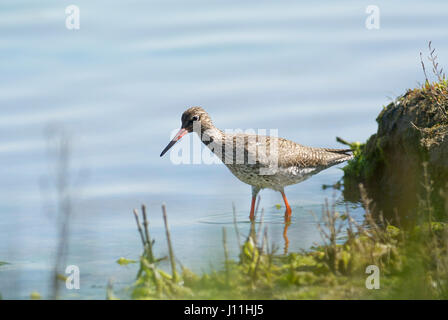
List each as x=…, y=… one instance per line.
x=119, y=86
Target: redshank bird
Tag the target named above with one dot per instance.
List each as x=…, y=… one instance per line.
x=260, y=161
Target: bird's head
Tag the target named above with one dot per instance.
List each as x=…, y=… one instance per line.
x=193, y=119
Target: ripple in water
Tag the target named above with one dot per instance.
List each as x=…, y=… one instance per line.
x=270, y=216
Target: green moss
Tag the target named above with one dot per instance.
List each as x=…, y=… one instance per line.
x=124, y=262
x=35, y=296
x=367, y=161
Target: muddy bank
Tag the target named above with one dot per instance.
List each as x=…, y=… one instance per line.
x=412, y=133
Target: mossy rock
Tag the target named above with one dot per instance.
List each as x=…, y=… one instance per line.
x=411, y=131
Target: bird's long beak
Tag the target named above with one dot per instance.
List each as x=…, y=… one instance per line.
x=176, y=138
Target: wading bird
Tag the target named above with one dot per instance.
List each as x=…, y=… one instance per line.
x=260, y=161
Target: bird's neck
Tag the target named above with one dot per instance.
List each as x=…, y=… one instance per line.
x=211, y=134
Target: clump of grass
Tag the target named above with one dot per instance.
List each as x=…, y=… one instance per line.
x=253, y=273
x=153, y=282
x=413, y=263
x=371, y=243
x=433, y=92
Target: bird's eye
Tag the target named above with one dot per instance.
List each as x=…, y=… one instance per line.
x=195, y=118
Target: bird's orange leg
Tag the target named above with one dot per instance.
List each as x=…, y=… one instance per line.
x=255, y=191
x=285, y=235
x=252, y=209
x=288, y=208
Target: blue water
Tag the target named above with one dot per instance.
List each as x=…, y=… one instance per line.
x=119, y=85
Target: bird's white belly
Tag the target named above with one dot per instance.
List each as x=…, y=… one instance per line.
x=275, y=179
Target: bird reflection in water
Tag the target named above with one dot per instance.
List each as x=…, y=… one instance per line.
x=260, y=236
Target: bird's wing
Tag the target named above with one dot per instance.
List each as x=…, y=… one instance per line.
x=294, y=154
x=264, y=150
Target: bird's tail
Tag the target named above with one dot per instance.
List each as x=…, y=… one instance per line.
x=347, y=152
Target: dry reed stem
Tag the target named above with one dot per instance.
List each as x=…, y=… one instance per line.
x=139, y=227
x=148, y=238
x=170, y=247
x=226, y=254
x=235, y=223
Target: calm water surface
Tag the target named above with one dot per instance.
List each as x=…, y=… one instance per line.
x=119, y=86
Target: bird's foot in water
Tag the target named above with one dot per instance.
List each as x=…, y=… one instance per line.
x=288, y=215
